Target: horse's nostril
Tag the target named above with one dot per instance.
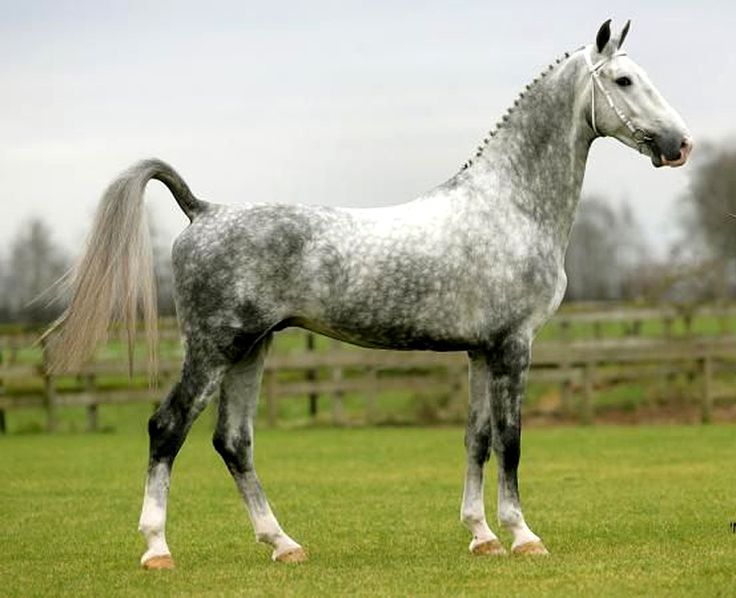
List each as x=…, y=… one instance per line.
x=686, y=145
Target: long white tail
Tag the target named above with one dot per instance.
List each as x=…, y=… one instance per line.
x=114, y=278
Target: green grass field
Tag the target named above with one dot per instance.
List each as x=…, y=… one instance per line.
x=624, y=511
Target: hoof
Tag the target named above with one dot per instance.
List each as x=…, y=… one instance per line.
x=530, y=548
x=163, y=561
x=295, y=555
x=490, y=547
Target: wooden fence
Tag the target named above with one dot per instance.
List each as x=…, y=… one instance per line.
x=578, y=363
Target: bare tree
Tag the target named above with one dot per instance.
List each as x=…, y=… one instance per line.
x=34, y=264
x=711, y=197
x=708, y=223
x=605, y=253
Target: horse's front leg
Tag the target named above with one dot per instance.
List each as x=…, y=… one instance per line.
x=509, y=364
x=478, y=446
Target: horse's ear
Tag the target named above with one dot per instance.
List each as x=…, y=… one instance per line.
x=624, y=33
x=604, y=35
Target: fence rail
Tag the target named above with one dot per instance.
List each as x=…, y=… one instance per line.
x=577, y=365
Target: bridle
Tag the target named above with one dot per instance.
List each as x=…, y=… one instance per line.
x=639, y=136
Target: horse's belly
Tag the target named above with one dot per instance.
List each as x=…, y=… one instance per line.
x=402, y=336
x=412, y=316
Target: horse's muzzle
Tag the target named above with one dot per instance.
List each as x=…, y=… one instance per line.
x=660, y=157
x=685, y=148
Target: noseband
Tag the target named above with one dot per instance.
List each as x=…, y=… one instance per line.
x=639, y=136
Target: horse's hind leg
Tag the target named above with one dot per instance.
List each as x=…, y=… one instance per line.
x=233, y=439
x=167, y=429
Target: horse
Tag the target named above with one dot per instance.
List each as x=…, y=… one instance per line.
x=475, y=265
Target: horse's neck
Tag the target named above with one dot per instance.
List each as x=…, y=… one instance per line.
x=536, y=159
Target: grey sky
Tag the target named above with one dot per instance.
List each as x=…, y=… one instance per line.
x=341, y=103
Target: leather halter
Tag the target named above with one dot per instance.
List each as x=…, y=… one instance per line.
x=639, y=136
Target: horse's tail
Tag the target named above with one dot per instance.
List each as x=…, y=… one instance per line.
x=114, y=277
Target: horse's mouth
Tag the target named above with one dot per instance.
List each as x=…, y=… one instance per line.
x=650, y=148
x=659, y=160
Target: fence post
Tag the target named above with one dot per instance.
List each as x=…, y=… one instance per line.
x=456, y=375
x=13, y=351
x=691, y=371
x=338, y=409
x=92, y=407
x=271, y=399
x=566, y=389
x=670, y=374
x=706, y=369
x=566, y=367
x=311, y=375
x=586, y=407
x=3, y=424
x=372, y=395
x=49, y=394
x=687, y=319
x=565, y=334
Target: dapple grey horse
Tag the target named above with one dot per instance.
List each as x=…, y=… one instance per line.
x=473, y=265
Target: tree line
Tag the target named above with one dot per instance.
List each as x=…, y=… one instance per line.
x=608, y=257
x=35, y=269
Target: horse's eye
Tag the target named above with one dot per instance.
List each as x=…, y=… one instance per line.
x=623, y=81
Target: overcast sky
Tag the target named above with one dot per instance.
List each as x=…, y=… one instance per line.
x=338, y=103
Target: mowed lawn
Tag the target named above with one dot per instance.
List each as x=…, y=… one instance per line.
x=624, y=511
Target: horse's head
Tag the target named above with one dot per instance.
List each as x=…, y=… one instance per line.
x=623, y=103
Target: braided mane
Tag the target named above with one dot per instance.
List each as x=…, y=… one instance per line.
x=519, y=99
